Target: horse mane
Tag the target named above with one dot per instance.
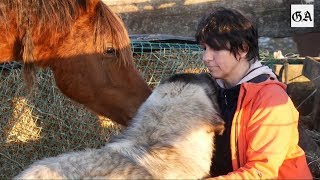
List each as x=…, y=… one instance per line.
x=59, y=16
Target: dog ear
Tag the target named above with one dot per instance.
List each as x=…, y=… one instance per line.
x=218, y=124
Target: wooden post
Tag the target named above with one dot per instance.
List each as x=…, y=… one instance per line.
x=316, y=110
x=286, y=66
x=311, y=69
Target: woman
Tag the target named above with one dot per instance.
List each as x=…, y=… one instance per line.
x=261, y=136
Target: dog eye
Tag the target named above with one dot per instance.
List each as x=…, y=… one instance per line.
x=109, y=51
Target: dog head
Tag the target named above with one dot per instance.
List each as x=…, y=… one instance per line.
x=209, y=85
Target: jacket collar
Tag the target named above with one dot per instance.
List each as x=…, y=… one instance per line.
x=256, y=69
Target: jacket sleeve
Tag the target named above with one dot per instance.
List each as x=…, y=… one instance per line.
x=269, y=134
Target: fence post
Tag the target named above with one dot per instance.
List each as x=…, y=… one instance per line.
x=311, y=69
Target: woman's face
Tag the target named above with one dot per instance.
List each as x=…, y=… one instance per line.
x=222, y=64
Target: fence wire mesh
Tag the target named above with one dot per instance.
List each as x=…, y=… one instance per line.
x=43, y=122
x=159, y=60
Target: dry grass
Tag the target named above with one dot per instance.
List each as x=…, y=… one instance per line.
x=43, y=123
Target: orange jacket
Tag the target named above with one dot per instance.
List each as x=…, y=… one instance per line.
x=264, y=135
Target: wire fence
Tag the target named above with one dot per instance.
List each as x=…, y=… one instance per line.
x=158, y=60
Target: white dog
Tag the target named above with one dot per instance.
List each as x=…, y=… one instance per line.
x=171, y=137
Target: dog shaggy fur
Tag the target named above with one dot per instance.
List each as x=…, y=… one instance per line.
x=170, y=137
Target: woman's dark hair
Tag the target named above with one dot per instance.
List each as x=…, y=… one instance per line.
x=228, y=29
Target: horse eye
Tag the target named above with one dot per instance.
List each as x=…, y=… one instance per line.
x=109, y=51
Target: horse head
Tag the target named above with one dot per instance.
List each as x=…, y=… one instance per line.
x=86, y=46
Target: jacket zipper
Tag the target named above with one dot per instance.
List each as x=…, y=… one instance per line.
x=225, y=99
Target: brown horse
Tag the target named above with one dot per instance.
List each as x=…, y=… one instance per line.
x=85, y=45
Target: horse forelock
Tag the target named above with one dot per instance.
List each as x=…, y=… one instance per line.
x=43, y=13
x=108, y=22
x=2, y=9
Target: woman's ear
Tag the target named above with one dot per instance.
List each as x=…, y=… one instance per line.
x=242, y=54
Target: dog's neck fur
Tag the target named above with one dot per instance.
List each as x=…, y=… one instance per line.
x=196, y=131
